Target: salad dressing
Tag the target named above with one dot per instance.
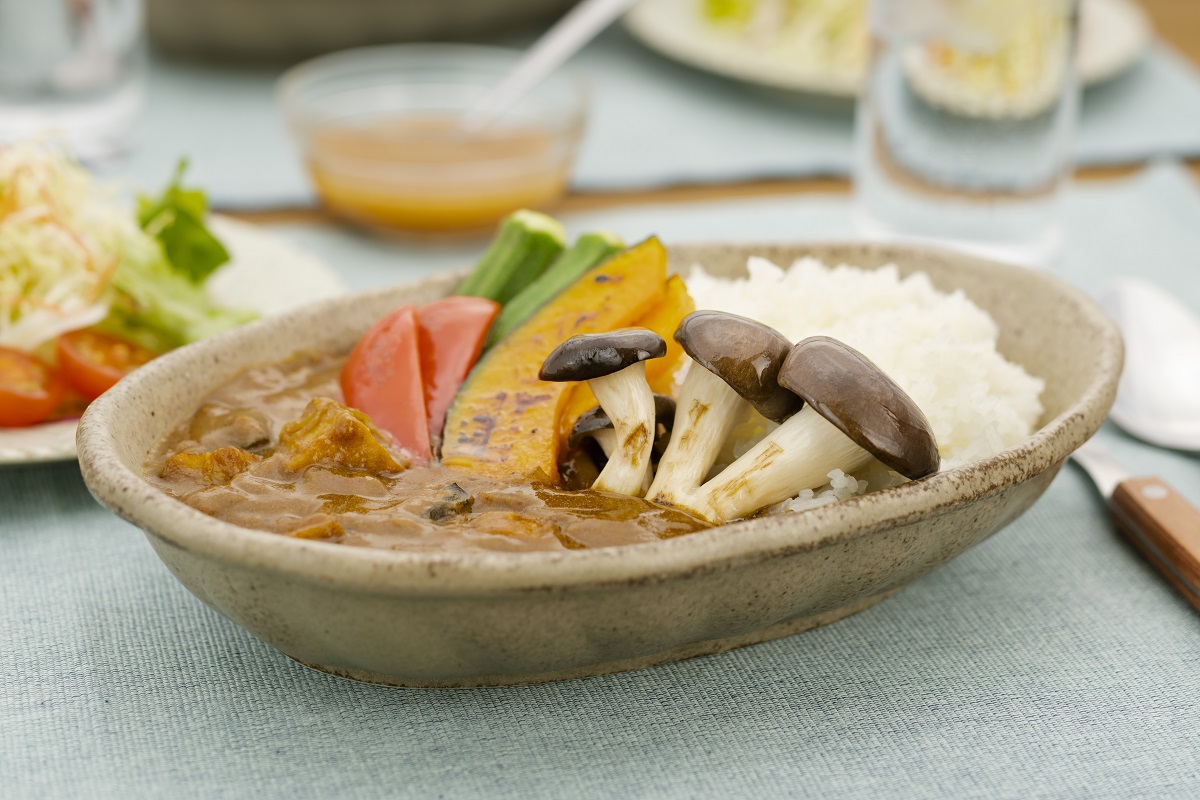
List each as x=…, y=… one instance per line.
x=426, y=174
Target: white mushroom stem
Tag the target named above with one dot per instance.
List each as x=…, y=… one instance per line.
x=627, y=400
x=705, y=413
x=606, y=439
x=797, y=455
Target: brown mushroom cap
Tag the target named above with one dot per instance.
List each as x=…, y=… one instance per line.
x=594, y=419
x=846, y=388
x=594, y=355
x=745, y=354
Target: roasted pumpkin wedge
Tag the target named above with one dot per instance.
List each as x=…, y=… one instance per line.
x=663, y=319
x=504, y=420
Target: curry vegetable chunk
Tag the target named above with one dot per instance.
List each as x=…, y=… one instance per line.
x=203, y=469
x=330, y=434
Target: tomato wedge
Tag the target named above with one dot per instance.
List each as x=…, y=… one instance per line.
x=30, y=389
x=382, y=378
x=92, y=362
x=452, y=332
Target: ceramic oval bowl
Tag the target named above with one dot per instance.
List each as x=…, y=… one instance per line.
x=417, y=619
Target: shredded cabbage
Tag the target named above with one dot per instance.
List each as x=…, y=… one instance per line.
x=60, y=242
x=71, y=256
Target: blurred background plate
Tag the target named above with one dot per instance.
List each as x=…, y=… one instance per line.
x=266, y=273
x=1114, y=34
x=281, y=30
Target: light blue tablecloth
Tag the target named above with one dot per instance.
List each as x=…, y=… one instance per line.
x=1048, y=662
x=653, y=123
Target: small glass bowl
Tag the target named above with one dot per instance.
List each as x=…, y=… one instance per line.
x=379, y=129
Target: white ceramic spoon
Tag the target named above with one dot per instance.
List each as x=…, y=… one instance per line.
x=1159, y=396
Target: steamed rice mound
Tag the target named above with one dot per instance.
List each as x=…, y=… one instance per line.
x=940, y=348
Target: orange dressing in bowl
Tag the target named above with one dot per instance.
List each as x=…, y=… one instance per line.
x=426, y=174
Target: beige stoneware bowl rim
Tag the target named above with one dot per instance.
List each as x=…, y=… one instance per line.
x=128, y=494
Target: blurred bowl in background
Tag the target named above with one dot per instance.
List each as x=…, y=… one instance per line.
x=277, y=30
x=379, y=130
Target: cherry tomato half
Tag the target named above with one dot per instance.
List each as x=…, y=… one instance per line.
x=92, y=361
x=30, y=389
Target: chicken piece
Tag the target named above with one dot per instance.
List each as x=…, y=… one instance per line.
x=219, y=426
x=208, y=469
x=330, y=434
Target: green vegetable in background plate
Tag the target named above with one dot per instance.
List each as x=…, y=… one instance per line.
x=160, y=307
x=176, y=219
x=160, y=301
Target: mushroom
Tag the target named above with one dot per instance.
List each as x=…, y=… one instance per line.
x=614, y=366
x=854, y=413
x=736, y=361
x=596, y=425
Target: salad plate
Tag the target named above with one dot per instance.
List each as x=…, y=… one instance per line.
x=1114, y=34
x=265, y=274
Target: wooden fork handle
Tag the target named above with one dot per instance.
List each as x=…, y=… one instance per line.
x=1164, y=527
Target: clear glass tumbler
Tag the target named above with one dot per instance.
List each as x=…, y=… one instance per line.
x=73, y=69
x=965, y=126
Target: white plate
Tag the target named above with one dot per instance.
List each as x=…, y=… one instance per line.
x=266, y=274
x=1114, y=34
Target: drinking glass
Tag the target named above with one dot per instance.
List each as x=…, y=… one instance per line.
x=72, y=69
x=964, y=128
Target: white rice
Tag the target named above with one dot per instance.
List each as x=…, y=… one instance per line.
x=940, y=348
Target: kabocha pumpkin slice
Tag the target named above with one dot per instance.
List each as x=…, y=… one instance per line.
x=504, y=420
x=663, y=319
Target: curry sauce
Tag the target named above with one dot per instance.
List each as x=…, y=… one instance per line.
x=275, y=450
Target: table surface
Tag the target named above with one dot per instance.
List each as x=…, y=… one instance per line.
x=1048, y=662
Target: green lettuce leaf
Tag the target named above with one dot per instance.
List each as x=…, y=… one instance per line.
x=176, y=219
x=159, y=308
